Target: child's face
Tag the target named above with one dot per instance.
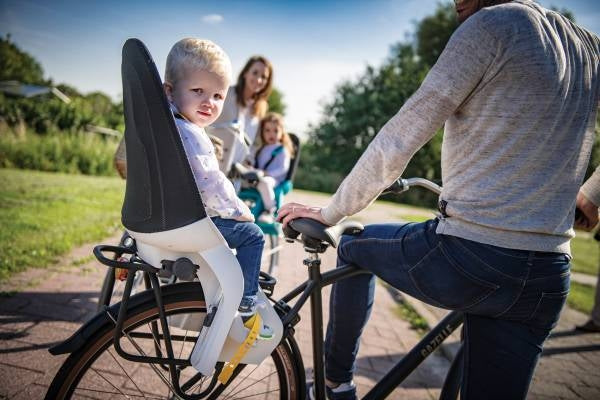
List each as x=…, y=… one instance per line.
x=272, y=132
x=198, y=95
x=255, y=79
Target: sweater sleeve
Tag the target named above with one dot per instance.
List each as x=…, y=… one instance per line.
x=457, y=73
x=591, y=187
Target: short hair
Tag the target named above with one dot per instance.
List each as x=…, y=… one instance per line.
x=197, y=53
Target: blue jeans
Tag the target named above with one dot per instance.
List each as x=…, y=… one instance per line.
x=248, y=241
x=511, y=300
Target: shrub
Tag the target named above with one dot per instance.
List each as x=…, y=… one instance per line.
x=80, y=153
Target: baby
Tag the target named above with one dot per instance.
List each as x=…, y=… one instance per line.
x=196, y=80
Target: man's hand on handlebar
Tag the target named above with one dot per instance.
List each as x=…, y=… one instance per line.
x=292, y=211
x=587, y=218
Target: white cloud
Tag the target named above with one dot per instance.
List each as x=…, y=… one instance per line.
x=212, y=19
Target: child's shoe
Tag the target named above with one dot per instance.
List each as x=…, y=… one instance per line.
x=248, y=313
x=344, y=391
x=265, y=332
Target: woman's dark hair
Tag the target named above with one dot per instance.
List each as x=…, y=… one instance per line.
x=260, y=99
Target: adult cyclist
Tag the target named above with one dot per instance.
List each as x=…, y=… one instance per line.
x=517, y=88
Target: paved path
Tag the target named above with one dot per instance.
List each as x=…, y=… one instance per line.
x=50, y=304
x=584, y=279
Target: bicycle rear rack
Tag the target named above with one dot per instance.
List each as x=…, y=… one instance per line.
x=182, y=269
x=169, y=363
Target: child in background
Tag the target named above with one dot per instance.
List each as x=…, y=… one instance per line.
x=273, y=160
x=196, y=80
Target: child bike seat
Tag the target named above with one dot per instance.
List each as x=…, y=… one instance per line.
x=161, y=193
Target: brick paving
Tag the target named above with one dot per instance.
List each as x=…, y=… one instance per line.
x=46, y=306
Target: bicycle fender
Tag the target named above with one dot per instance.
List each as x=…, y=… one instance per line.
x=79, y=338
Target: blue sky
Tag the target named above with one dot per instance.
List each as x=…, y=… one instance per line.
x=314, y=45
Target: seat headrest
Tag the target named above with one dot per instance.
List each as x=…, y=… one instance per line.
x=161, y=193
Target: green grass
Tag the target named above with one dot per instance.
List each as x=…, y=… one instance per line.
x=586, y=254
x=581, y=297
x=44, y=215
x=408, y=217
x=405, y=311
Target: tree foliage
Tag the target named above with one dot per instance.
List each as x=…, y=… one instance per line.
x=45, y=113
x=16, y=65
x=276, y=103
x=360, y=108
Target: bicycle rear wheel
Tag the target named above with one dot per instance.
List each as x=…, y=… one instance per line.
x=96, y=371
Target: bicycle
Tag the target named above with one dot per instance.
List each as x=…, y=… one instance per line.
x=166, y=351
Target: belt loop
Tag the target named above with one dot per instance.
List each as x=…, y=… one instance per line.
x=530, y=257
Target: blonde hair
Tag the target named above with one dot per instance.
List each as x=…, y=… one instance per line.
x=197, y=53
x=285, y=140
x=260, y=106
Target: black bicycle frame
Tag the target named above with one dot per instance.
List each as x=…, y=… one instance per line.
x=312, y=289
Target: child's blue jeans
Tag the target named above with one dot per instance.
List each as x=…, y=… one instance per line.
x=248, y=241
x=511, y=300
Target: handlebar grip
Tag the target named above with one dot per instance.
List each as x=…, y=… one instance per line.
x=397, y=187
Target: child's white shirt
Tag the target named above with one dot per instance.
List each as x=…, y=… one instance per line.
x=217, y=192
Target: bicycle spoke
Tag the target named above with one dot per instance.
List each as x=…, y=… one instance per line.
x=109, y=382
x=183, y=343
x=107, y=392
x=249, y=386
x=199, y=384
x=255, y=394
x=155, y=340
x=142, y=353
x=123, y=369
x=240, y=382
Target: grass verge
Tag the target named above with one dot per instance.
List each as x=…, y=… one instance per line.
x=586, y=253
x=405, y=311
x=581, y=297
x=46, y=214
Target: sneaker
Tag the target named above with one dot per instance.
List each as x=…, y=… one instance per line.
x=266, y=218
x=589, y=326
x=265, y=332
x=344, y=391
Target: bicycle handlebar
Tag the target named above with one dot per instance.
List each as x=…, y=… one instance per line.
x=402, y=185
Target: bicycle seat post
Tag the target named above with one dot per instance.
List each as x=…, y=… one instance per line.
x=316, y=310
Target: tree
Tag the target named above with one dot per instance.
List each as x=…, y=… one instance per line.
x=566, y=13
x=360, y=108
x=434, y=31
x=46, y=113
x=17, y=65
x=276, y=103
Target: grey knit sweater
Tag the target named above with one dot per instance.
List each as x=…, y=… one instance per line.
x=517, y=88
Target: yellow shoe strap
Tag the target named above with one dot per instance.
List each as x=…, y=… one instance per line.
x=242, y=350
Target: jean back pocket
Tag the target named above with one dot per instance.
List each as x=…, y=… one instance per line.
x=547, y=311
x=444, y=283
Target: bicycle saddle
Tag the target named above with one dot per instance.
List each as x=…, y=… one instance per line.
x=315, y=231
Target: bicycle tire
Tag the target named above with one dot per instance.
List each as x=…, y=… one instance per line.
x=85, y=365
